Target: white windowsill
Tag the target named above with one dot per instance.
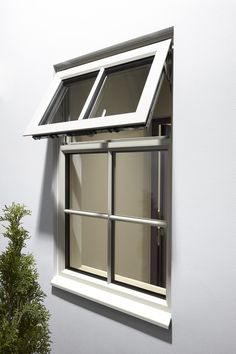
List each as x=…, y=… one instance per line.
x=131, y=302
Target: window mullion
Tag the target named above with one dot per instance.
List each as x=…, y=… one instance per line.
x=67, y=216
x=110, y=234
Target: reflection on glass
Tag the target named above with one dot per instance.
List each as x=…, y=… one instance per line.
x=69, y=101
x=134, y=259
x=78, y=93
x=163, y=105
x=88, y=244
x=88, y=182
x=137, y=190
x=121, y=90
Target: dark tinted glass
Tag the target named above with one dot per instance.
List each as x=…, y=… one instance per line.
x=121, y=90
x=69, y=101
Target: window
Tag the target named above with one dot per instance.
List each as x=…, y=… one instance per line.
x=117, y=91
x=115, y=216
x=112, y=115
x=114, y=208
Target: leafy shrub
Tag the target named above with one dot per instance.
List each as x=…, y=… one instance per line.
x=23, y=316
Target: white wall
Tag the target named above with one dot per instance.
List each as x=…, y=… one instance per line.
x=34, y=35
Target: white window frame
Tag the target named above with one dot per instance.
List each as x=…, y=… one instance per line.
x=136, y=303
x=140, y=117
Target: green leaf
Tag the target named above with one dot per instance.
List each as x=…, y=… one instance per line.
x=24, y=327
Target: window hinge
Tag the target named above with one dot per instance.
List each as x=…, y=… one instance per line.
x=65, y=140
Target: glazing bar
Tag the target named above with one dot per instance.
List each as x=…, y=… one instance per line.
x=153, y=222
x=86, y=213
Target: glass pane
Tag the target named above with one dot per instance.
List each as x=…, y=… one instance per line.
x=121, y=89
x=137, y=191
x=69, y=101
x=88, y=182
x=78, y=93
x=135, y=262
x=88, y=244
x=163, y=105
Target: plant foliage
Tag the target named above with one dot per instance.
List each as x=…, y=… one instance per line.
x=23, y=316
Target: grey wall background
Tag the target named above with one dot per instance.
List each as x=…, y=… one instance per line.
x=34, y=35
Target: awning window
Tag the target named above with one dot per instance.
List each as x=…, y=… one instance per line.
x=117, y=91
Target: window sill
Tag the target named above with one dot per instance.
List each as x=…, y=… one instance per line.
x=131, y=302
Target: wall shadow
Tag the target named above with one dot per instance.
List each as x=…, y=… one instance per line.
x=47, y=209
x=127, y=320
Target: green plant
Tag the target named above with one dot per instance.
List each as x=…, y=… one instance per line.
x=23, y=316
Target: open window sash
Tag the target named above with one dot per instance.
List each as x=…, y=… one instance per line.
x=42, y=123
